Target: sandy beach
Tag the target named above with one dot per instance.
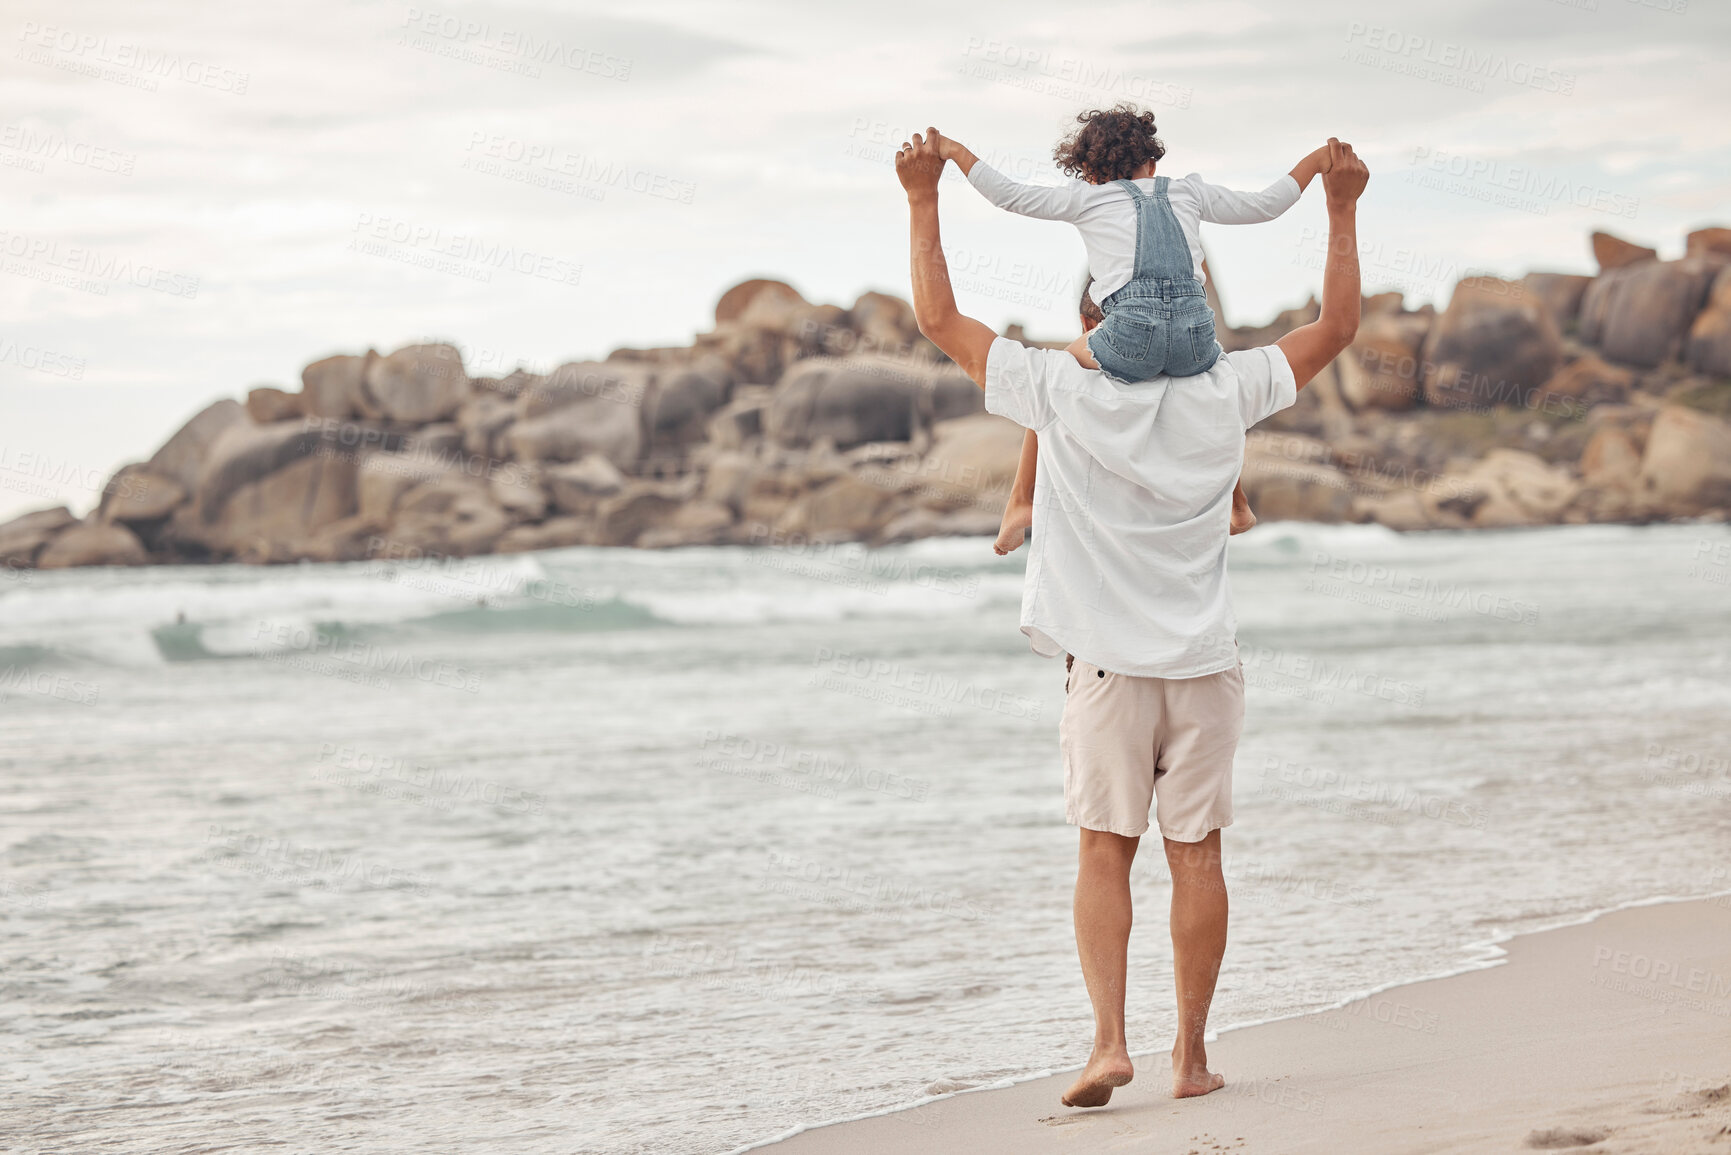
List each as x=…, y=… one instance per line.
x=1613, y=1035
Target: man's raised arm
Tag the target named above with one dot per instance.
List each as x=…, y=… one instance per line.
x=1310, y=347
x=965, y=340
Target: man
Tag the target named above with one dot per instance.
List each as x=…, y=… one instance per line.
x=1127, y=573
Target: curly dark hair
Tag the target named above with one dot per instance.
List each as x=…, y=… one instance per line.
x=1111, y=144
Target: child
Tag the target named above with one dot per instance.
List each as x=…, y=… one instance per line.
x=1144, y=259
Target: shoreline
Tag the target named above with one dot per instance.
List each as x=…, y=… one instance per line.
x=1659, y=1111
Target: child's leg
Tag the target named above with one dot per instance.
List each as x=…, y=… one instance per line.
x=1019, y=510
x=1079, y=350
x=1242, y=518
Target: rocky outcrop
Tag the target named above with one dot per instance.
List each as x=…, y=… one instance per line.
x=92, y=543
x=1638, y=315
x=22, y=538
x=267, y=403
x=1495, y=344
x=1708, y=243
x=182, y=456
x=1709, y=349
x=416, y=385
x=1555, y=398
x=336, y=387
x=1561, y=293
x=848, y=402
x=1616, y=253
x=1688, y=460
x=1381, y=370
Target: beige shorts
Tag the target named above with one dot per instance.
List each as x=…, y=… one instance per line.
x=1133, y=743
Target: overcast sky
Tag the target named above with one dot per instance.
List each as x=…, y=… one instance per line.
x=204, y=197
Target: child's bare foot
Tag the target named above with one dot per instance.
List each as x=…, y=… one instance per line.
x=1079, y=350
x=1192, y=1079
x=1104, y=1073
x=1242, y=517
x=1013, y=530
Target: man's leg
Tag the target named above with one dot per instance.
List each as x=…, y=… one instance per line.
x=1198, y=945
x=1103, y=942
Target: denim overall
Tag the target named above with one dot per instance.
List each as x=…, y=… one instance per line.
x=1159, y=323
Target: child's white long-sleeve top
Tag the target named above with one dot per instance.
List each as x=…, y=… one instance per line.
x=1104, y=216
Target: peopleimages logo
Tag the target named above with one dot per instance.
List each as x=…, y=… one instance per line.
x=1445, y=61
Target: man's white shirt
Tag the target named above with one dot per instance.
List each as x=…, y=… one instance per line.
x=1132, y=504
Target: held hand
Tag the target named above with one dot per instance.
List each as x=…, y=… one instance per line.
x=1344, y=179
x=1320, y=158
x=919, y=163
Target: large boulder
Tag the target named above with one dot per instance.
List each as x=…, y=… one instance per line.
x=267, y=403
x=593, y=425
x=639, y=507
x=971, y=461
x=1612, y=457
x=1380, y=370
x=1495, y=344
x=22, y=538
x=846, y=509
x=884, y=323
x=275, y=517
x=1639, y=314
x=581, y=486
x=1561, y=294
x=417, y=384
x=336, y=387
x=93, y=543
x=244, y=454
x=482, y=421
x=1589, y=380
x=1714, y=241
x=733, y=304
x=383, y=478
x=741, y=419
x=1616, y=253
x=1709, y=348
x=696, y=522
x=1519, y=489
x=620, y=383
x=1289, y=478
x=1687, y=465
x=452, y=516
x=955, y=395
x=181, y=457
x=847, y=402
x=677, y=408
x=135, y=496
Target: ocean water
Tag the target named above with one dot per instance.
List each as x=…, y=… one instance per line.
x=615, y=851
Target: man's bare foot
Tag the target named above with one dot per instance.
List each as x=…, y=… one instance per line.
x=1013, y=530
x=1242, y=517
x=1103, y=1073
x=1192, y=1079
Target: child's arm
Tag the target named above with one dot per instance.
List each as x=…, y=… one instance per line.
x=1224, y=206
x=1311, y=166
x=1047, y=202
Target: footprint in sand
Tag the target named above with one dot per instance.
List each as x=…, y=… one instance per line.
x=1561, y=1138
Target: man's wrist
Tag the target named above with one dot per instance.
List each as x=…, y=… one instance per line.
x=919, y=198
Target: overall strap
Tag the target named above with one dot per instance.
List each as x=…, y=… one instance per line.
x=1162, y=253
x=1129, y=186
